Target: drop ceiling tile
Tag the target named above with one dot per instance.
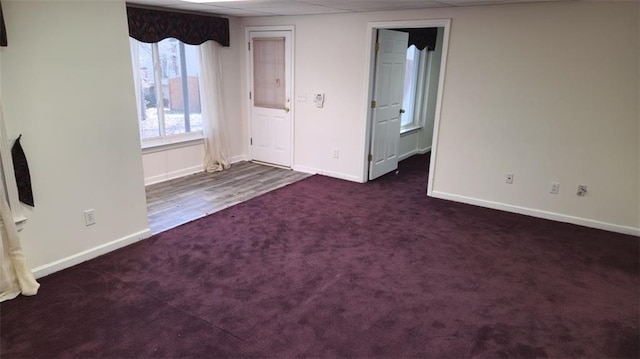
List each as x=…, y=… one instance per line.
x=302, y=9
x=256, y=4
x=218, y=10
x=308, y=7
x=368, y=5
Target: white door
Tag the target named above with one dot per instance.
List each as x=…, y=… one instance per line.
x=391, y=55
x=270, y=56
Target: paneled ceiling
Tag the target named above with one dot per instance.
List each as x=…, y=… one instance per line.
x=314, y=7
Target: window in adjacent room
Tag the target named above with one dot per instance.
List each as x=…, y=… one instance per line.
x=166, y=76
x=410, y=86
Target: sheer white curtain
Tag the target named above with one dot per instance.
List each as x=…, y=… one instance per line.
x=15, y=275
x=216, y=157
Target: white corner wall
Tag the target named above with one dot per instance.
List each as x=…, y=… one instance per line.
x=67, y=88
x=548, y=91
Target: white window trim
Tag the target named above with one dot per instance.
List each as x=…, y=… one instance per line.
x=410, y=128
x=162, y=142
x=175, y=141
x=423, y=78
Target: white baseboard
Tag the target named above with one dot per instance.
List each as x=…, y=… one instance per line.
x=173, y=175
x=539, y=213
x=84, y=256
x=239, y=158
x=338, y=175
x=186, y=171
x=304, y=169
x=420, y=151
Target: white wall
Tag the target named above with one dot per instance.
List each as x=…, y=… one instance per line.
x=67, y=88
x=547, y=91
x=551, y=100
x=332, y=64
x=169, y=162
x=161, y=164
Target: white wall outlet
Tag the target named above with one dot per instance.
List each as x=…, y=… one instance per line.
x=89, y=217
x=318, y=98
x=301, y=97
x=509, y=178
x=336, y=153
x=582, y=190
x=555, y=188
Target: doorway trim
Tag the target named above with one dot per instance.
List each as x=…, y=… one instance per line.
x=369, y=68
x=247, y=37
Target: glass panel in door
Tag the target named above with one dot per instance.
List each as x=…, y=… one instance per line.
x=269, y=72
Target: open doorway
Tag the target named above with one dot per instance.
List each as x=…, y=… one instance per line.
x=419, y=109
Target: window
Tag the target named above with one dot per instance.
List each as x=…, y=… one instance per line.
x=166, y=76
x=410, y=87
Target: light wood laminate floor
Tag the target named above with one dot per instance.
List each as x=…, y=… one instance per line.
x=181, y=200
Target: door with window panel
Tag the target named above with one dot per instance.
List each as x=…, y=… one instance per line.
x=270, y=55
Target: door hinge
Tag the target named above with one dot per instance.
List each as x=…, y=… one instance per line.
x=249, y=95
x=249, y=46
x=370, y=157
x=251, y=141
x=373, y=104
x=377, y=46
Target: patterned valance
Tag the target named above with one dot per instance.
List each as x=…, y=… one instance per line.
x=422, y=37
x=3, y=29
x=153, y=25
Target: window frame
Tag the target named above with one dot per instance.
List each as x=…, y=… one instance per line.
x=163, y=139
x=421, y=68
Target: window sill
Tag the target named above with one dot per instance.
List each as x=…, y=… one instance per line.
x=172, y=142
x=406, y=130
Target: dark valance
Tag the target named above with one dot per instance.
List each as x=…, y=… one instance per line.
x=422, y=37
x=3, y=29
x=151, y=25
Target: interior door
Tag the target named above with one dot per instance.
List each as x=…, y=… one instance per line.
x=391, y=55
x=270, y=56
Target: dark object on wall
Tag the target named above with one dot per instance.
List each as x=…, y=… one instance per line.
x=151, y=25
x=23, y=177
x=3, y=29
x=422, y=37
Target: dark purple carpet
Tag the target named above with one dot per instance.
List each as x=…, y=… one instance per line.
x=328, y=268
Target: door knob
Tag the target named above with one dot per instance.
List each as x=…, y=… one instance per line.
x=286, y=109
x=401, y=110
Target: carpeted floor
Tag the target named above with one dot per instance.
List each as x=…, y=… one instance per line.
x=328, y=268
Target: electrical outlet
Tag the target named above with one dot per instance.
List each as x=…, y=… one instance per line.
x=582, y=190
x=336, y=153
x=509, y=178
x=555, y=188
x=89, y=217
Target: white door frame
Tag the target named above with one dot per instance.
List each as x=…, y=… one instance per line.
x=247, y=37
x=372, y=29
